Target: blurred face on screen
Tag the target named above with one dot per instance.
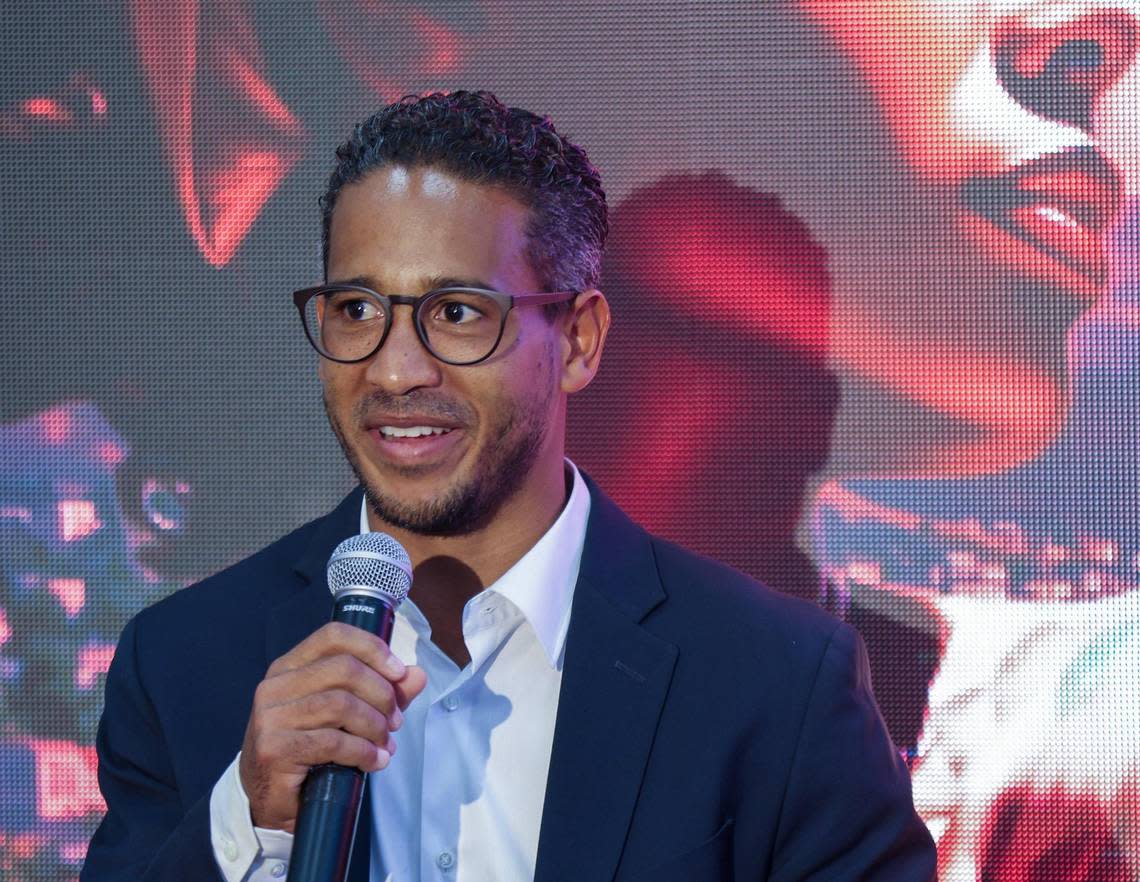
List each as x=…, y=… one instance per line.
x=1026, y=108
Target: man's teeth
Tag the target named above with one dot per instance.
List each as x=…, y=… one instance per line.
x=411, y=431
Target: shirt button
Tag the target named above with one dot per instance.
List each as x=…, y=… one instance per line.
x=229, y=849
x=278, y=870
x=445, y=860
x=451, y=702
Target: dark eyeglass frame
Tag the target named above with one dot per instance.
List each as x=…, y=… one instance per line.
x=506, y=303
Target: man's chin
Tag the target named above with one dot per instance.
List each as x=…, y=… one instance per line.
x=455, y=511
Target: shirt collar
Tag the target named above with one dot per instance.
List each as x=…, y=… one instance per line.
x=541, y=582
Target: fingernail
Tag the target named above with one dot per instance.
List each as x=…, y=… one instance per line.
x=396, y=720
x=382, y=757
x=395, y=667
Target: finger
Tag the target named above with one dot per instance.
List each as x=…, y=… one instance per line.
x=410, y=685
x=334, y=709
x=343, y=672
x=337, y=638
x=300, y=749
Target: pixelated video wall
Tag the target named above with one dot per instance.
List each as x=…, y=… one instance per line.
x=875, y=272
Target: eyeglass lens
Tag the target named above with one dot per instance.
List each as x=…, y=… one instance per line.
x=458, y=325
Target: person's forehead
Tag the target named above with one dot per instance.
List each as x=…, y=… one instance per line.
x=425, y=186
x=403, y=225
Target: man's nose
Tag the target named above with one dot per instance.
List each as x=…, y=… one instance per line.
x=403, y=363
x=1058, y=70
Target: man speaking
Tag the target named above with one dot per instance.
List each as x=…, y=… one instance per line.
x=565, y=697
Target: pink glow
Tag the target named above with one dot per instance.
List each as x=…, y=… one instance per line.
x=389, y=45
x=988, y=390
x=77, y=518
x=5, y=628
x=71, y=594
x=198, y=71
x=57, y=425
x=1054, y=834
x=66, y=780
x=111, y=454
x=94, y=659
x=442, y=42
x=47, y=108
x=260, y=92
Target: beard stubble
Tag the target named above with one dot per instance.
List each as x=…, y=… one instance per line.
x=514, y=442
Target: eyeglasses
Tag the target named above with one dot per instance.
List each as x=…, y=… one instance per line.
x=459, y=326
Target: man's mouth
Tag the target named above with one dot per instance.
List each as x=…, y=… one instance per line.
x=1059, y=206
x=411, y=431
x=420, y=441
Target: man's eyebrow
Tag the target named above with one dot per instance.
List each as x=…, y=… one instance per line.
x=358, y=281
x=430, y=284
x=455, y=282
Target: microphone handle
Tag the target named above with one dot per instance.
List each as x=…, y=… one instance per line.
x=331, y=794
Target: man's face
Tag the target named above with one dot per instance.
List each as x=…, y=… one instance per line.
x=1026, y=107
x=401, y=231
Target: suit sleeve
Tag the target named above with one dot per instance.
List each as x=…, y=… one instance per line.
x=148, y=832
x=847, y=812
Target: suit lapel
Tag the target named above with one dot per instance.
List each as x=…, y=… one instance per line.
x=614, y=682
x=310, y=606
x=303, y=612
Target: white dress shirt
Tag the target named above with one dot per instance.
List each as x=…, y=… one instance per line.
x=462, y=798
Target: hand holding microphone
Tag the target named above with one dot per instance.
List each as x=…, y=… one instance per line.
x=336, y=697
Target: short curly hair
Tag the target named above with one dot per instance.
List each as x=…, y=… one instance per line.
x=474, y=136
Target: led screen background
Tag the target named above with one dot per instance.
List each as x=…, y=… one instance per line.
x=877, y=341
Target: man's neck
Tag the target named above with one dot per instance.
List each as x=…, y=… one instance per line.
x=450, y=570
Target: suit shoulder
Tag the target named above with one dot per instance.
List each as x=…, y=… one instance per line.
x=707, y=592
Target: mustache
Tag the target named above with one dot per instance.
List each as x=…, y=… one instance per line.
x=413, y=404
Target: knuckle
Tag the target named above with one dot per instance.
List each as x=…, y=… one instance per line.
x=338, y=702
x=264, y=748
x=318, y=745
x=261, y=693
x=335, y=739
x=386, y=698
x=365, y=755
x=341, y=634
x=349, y=668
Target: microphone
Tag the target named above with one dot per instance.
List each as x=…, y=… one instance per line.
x=369, y=575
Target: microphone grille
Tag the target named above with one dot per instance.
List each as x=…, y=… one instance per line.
x=371, y=560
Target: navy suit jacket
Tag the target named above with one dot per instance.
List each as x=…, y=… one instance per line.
x=707, y=728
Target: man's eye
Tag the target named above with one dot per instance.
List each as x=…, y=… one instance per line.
x=358, y=310
x=455, y=312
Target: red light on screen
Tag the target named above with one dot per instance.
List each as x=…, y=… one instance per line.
x=388, y=45
x=56, y=425
x=48, y=109
x=204, y=62
x=77, y=518
x=71, y=594
x=94, y=659
x=111, y=454
x=67, y=785
x=443, y=45
x=1016, y=402
x=235, y=196
x=1052, y=835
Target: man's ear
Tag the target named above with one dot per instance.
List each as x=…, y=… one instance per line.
x=584, y=330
